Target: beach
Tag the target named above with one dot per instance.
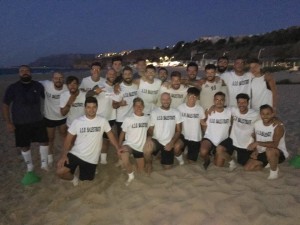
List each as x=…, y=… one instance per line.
x=183, y=195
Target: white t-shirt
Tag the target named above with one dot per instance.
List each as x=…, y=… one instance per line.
x=135, y=128
x=88, y=84
x=178, y=96
x=105, y=100
x=127, y=93
x=208, y=90
x=265, y=133
x=191, y=117
x=260, y=93
x=52, y=99
x=218, y=124
x=76, y=109
x=149, y=93
x=89, y=138
x=164, y=122
x=236, y=85
x=243, y=127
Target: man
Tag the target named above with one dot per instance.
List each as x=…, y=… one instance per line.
x=241, y=132
x=192, y=71
x=148, y=89
x=163, y=74
x=104, y=96
x=53, y=118
x=209, y=86
x=222, y=65
x=83, y=143
x=177, y=91
x=134, y=131
x=123, y=101
x=237, y=81
x=263, y=87
x=141, y=68
x=94, y=80
x=269, y=144
x=217, y=132
x=116, y=64
x=193, y=119
x=22, y=114
x=72, y=101
x=165, y=129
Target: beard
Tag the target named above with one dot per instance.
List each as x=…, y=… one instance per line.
x=222, y=69
x=26, y=78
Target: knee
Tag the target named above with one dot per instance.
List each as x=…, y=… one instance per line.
x=272, y=153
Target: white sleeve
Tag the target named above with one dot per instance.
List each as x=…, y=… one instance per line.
x=63, y=100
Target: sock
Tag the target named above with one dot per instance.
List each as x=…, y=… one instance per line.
x=130, y=178
x=28, y=160
x=50, y=159
x=273, y=174
x=75, y=181
x=44, y=156
x=180, y=160
x=103, y=158
x=232, y=165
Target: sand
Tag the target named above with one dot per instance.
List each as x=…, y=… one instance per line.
x=183, y=195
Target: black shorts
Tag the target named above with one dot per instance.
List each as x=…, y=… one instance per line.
x=25, y=134
x=137, y=155
x=119, y=127
x=86, y=170
x=167, y=157
x=111, y=123
x=263, y=158
x=227, y=143
x=54, y=123
x=243, y=155
x=193, y=148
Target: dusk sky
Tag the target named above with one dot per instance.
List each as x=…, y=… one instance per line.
x=32, y=29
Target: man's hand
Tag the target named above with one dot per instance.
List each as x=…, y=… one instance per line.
x=10, y=127
x=252, y=146
x=169, y=146
x=61, y=162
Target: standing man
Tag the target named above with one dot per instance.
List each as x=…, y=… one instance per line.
x=116, y=64
x=88, y=83
x=222, y=65
x=193, y=120
x=237, y=81
x=83, y=143
x=263, y=87
x=53, y=118
x=141, y=68
x=192, y=71
x=163, y=74
x=165, y=129
x=269, y=144
x=217, y=132
x=72, y=101
x=22, y=114
x=177, y=91
x=134, y=131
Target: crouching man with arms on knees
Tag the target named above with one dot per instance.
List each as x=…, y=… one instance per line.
x=83, y=143
x=269, y=145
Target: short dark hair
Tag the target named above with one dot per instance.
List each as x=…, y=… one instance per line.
x=70, y=79
x=90, y=99
x=28, y=67
x=253, y=60
x=138, y=99
x=176, y=74
x=223, y=57
x=243, y=96
x=266, y=106
x=140, y=60
x=127, y=68
x=220, y=93
x=116, y=58
x=150, y=66
x=96, y=64
x=193, y=91
x=210, y=67
x=192, y=64
x=164, y=69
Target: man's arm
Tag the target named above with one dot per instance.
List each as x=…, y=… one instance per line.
x=68, y=144
x=113, y=140
x=64, y=111
x=176, y=136
x=6, y=115
x=272, y=84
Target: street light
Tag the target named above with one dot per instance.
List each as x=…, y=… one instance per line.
x=224, y=53
x=259, y=53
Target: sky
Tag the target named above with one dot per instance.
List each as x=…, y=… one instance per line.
x=37, y=28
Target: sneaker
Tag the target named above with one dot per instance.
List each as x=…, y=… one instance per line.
x=75, y=181
x=232, y=166
x=268, y=165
